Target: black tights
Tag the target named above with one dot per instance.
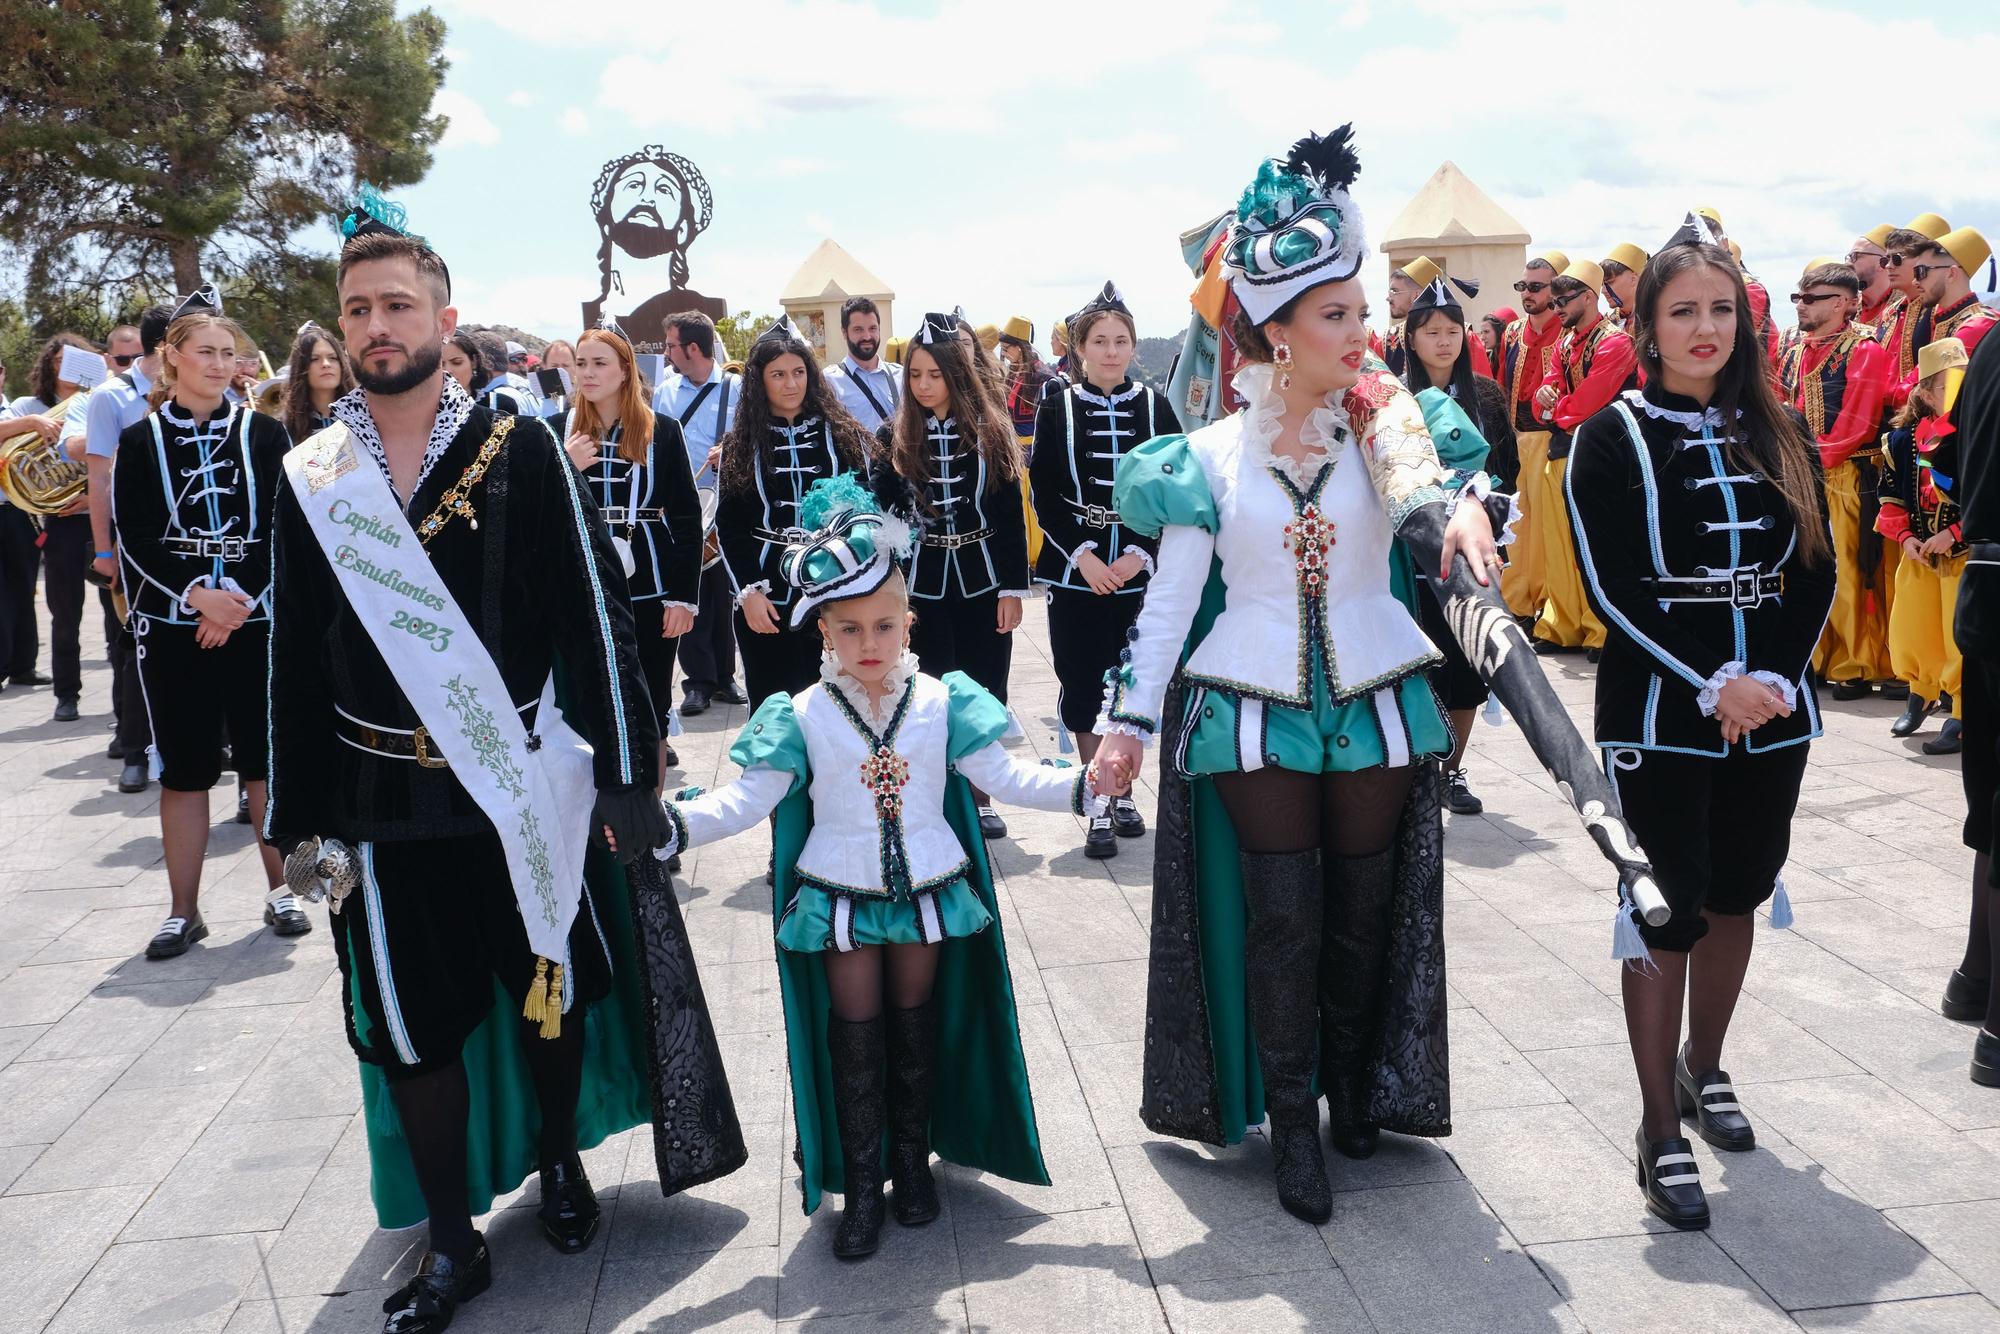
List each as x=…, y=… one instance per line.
x=1982, y=943
x=855, y=978
x=433, y=1108
x=1346, y=815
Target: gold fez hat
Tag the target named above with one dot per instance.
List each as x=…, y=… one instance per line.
x=1945, y=357
x=1712, y=216
x=1423, y=271
x=1586, y=272
x=1928, y=224
x=1555, y=259
x=1816, y=262
x=1878, y=235
x=892, y=352
x=1629, y=255
x=1018, y=329
x=1967, y=248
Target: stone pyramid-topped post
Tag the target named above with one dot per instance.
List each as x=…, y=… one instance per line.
x=1458, y=225
x=812, y=298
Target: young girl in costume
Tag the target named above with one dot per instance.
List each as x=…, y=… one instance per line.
x=887, y=929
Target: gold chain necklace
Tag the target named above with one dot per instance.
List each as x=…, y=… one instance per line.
x=455, y=501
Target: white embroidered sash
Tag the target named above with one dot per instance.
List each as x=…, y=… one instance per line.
x=537, y=792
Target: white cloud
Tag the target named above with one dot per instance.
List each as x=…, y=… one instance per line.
x=470, y=125
x=573, y=120
x=521, y=97
x=1119, y=149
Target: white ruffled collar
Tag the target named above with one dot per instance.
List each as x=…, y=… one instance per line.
x=1322, y=433
x=852, y=690
x=1693, y=420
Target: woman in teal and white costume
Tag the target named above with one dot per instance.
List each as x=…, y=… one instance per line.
x=1299, y=821
x=887, y=930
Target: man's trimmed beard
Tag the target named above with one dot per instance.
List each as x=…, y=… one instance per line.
x=865, y=348
x=423, y=364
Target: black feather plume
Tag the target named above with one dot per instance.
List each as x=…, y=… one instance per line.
x=1328, y=160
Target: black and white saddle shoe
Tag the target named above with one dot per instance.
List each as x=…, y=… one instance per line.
x=286, y=916
x=426, y=1304
x=991, y=826
x=1126, y=821
x=1671, y=1179
x=174, y=937
x=1965, y=997
x=1099, y=841
x=569, y=1211
x=1711, y=1101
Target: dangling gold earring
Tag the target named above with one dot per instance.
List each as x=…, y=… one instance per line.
x=1283, y=357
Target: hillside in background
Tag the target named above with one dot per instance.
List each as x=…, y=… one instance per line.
x=1154, y=360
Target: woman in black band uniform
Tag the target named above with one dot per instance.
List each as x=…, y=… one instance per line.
x=1700, y=519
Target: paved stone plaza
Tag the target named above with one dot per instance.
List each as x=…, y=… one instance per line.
x=181, y=1145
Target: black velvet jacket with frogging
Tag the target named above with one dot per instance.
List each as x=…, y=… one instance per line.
x=653, y=505
x=1080, y=434
x=539, y=580
x=757, y=523
x=1653, y=499
x=966, y=502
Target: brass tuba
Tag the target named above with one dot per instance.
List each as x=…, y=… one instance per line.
x=37, y=475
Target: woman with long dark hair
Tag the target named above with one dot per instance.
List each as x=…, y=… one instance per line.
x=316, y=374
x=635, y=463
x=461, y=361
x=1701, y=528
x=1439, y=357
x=790, y=432
x=948, y=464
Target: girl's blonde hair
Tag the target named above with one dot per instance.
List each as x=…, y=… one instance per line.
x=177, y=334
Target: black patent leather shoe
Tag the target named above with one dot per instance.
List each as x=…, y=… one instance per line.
x=1965, y=997
x=1671, y=1179
x=1126, y=821
x=569, y=1212
x=426, y=1304
x=1912, y=717
x=133, y=778
x=729, y=694
x=175, y=936
x=1950, y=739
x=694, y=702
x=1098, y=841
x=991, y=826
x=1711, y=1101
x=1986, y=1060
x=286, y=916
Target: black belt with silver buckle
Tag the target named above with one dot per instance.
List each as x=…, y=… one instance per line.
x=616, y=516
x=397, y=743
x=205, y=548
x=1095, y=516
x=783, y=537
x=1742, y=590
x=953, y=541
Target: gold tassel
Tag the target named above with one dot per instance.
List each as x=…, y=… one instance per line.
x=535, y=1008
x=552, y=1013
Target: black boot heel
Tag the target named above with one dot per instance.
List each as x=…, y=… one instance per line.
x=1671, y=1179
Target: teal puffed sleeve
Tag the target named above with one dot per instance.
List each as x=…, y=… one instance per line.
x=772, y=738
x=1458, y=442
x=1160, y=485
x=977, y=718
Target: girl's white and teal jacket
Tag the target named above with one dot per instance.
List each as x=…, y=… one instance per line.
x=881, y=864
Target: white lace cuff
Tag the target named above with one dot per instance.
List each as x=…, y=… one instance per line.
x=1108, y=727
x=1710, y=694
x=1022, y=593
x=203, y=582
x=1076, y=553
x=1145, y=559
x=1507, y=536
x=761, y=586
x=1781, y=685
x=690, y=608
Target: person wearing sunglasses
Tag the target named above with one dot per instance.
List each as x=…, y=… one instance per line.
x=1906, y=324
x=1527, y=358
x=1941, y=275
x=1835, y=375
x=1869, y=258
x=1594, y=364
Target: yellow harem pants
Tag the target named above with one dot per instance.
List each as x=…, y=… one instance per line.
x=1566, y=617
x=1855, y=644
x=1034, y=528
x=1921, y=645
x=1521, y=583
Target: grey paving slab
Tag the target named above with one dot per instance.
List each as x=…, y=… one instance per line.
x=220, y=1086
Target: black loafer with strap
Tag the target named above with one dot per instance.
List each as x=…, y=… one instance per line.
x=1711, y=1100
x=1671, y=1179
x=426, y=1304
x=569, y=1211
x=174, y=937
x=1126, y=820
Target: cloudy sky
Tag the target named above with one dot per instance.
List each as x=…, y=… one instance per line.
x=1011, y=156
